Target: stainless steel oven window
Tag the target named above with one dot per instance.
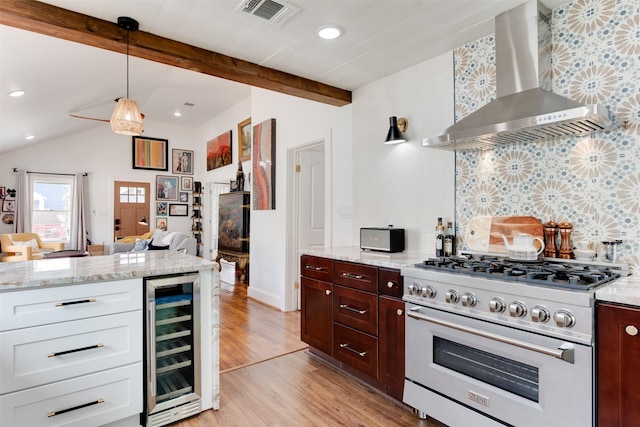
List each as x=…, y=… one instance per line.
x=509, y=375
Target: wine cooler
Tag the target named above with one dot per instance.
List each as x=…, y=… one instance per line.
x=172, y=348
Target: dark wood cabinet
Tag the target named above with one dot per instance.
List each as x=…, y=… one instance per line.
x=365, y=319
x=618, y=365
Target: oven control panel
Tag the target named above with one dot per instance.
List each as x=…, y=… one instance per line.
x=559, y=313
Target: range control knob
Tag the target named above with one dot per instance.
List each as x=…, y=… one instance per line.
x=428, y=292
x=452, y=297
x=469, y=300
x=517, y=309
x=414, y=289
x=564, y=319
x=540, y=314
x=496, y=305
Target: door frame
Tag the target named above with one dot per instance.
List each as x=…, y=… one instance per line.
x=292, y=264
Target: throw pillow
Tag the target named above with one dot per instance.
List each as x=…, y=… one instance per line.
x=33, y=243
x=153, y=247
x=141, y=245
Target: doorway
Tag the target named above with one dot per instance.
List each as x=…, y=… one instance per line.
x=131, y=204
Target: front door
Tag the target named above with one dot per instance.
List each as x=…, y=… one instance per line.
x=131, y=204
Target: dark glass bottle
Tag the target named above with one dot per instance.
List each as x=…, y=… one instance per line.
x=449, y=241
x=439, y=238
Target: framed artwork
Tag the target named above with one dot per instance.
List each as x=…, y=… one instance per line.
x=178, y=209
x=182, y=161
x=186, y=183
x=150, y=153
x=184, y=197
x=244, y=140
x=166, y=187
x=7, y=218
x=161, y=223
x=161, y=208
x=2, y=192
x=219, y=151
x=263, y=157
x=8, y=205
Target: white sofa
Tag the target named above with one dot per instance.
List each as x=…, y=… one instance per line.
x=175, y=240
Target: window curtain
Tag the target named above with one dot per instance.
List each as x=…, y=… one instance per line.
x=22, y=214
x=78, y=240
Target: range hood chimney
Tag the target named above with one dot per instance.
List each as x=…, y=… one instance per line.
x=525, y=109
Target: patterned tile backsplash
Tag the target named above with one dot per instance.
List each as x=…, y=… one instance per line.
x=591, y=182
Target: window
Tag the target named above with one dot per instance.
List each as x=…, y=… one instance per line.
x=132, y=194
x=51, y=206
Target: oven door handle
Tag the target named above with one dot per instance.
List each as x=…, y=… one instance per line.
x=564, y=352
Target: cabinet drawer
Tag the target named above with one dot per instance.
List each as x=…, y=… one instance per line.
x=356, y=309
x=44, y=354
x=48, y=305
x=390, y=282
x=356, y=349
x=120, y=391
x=315, y=267
x=357, y=276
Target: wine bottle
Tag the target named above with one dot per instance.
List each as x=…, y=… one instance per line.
x=439, y=239
x=449, y=240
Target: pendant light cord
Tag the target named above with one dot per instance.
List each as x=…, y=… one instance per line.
x=127, y=63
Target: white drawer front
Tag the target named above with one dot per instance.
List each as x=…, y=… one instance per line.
x=30, y=352
x=43, y=306
x=120, y=390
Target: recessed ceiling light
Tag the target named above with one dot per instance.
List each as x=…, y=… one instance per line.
x=29, y=137
x=16, y=93
x=329, y=32
x=177, y=113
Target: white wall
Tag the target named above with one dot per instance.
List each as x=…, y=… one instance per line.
x=106, y=157
x=406, y=185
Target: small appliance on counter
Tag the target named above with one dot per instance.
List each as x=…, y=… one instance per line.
x=382, y=239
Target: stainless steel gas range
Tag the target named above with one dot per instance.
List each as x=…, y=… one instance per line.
x=496, y=342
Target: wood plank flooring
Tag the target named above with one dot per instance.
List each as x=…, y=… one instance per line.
x=268, y=378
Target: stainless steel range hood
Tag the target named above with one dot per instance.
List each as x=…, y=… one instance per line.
x=525, y=108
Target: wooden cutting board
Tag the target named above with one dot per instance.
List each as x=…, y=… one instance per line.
x=484, y=233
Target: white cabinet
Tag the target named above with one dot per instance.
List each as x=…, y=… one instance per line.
x=71, y=355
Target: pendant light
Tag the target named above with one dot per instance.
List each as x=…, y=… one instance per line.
x=126, y=118
x=396, y=127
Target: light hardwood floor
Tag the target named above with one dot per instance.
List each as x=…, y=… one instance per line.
x=268, y=378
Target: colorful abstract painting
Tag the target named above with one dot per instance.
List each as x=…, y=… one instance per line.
x=263, y=159
x=219, y=151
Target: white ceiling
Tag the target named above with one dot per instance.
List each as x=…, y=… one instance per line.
x=60, y=77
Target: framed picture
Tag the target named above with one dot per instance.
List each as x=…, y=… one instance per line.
x=161, y=208
x=263, y=158
x=244, y=140
x=8, y=205
x=161, y=223
x=2, y=192
x=219, y=151
x=166, y=187
x=184, y=197
x=7, y=218
x=186, y=183
x=150, y=153
x=182, y=161
x=177, y=209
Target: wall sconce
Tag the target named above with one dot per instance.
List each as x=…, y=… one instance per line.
x=143, y=221
x=396, y=127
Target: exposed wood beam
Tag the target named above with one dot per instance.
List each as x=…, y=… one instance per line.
x=53, y=21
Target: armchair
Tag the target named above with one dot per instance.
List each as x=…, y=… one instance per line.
x=25, y=246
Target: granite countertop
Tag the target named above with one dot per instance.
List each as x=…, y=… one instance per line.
x=625, y=290
x=380, y=259
x=61, y=271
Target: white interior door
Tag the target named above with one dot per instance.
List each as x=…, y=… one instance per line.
x=311, y=197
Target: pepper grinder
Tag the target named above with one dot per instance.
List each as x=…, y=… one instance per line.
x=566, y=251
x=550, y=235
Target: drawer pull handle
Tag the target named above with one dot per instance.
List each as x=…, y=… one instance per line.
x=400, y=312
x=391, y=284
x=63, y=411
x=313, y=267
x=75, y=350
x=81, y=301
x=355, y=310
x=352, y=276
x=328, y=292
x=346, y=347
x=631, y=330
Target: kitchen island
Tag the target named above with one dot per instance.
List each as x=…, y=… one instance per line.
x=47, y=302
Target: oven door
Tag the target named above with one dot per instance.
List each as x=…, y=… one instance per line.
x=513, y=376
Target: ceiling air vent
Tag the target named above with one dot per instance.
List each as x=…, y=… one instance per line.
x=273, y=11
